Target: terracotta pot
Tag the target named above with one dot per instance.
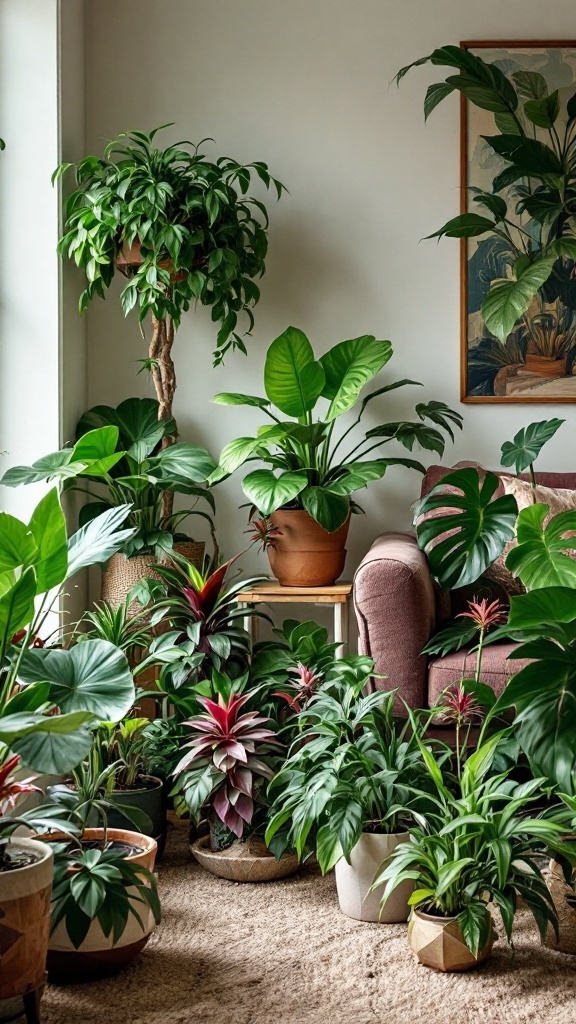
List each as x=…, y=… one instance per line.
x=438, y=942
x=353, y=880
x=305, y=554
x=24, y=929
x=561, y=893
x=98, y=956
x=121, y=573
x=244, y=862
x=129, y=258
x=545, y=366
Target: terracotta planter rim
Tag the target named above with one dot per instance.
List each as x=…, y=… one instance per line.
x=147, y=843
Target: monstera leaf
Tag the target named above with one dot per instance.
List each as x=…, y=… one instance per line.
x=539, y=558
x=544, y=692
x=527, y=444
x=466, y=529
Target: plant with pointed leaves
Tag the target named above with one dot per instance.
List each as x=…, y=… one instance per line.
x=227, y=754
x=306, y=469
x=530, y=209
x=475, y=846
x=100, y=885
x=200, y=238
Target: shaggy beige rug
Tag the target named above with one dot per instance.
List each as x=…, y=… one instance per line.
x=282, y=953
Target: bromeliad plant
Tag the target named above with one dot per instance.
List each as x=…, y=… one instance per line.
x=228, y=756
x=350, y=770
x=308, y=466
x=181, y=227
x=201, y=612
x=477, y=845
x=528, y=214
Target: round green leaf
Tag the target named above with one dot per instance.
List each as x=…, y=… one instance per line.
x=527, y=444
x=92, y=676
x=330, y=510
x=269, y=492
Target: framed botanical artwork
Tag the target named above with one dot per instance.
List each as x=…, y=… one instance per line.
x=518, y=220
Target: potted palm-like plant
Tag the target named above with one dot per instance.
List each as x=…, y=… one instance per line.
x=307, y=490
x=181, y=227
x=475, y=844
x=363, y=771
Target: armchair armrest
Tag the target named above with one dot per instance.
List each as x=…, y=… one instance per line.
x=396, y=611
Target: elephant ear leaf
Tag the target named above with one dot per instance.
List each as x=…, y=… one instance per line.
x=464, y=529
x=540, y=558
x=347, y=367
x=527, y=444
x=293, y=380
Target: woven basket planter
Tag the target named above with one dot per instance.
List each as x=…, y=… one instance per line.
x=122, y=573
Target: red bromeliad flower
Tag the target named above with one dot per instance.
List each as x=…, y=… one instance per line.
x=263, y=532
x=10, y=790
x=228, y=741
x=485, y=613
x=304, y=686
x=458, y=706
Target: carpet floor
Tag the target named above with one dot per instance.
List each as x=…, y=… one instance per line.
x=282, y=953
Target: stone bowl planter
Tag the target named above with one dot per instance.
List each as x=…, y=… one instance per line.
x=244, y=862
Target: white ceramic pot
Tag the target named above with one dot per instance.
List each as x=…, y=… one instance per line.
x=24, y=925
x=353, y=880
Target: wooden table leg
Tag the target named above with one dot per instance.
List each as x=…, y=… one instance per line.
x=32, y=1006
x=251, y=625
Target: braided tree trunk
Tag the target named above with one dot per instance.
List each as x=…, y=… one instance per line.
x=164, y=377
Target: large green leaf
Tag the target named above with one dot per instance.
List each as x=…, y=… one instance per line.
x=543, y=111
x=529, y=156
x=293, y=380
x=408, y=434
x=465, y=531
x=530, y=85
x=53, y=744
x=17, y=544
x=180, y=466
x=93, y=676
x=347, y=367
x=329, y=509
x=357, y=475
x=269, y=492
x=539, y=559
x=101, y=538
x=235, y=398
x=50, y=467
x=48, y=528
x=238, y=451
x=505, y=303
x=465, y=225
x=542, y=608
x=17, y=606
x=140, y=430
x=527, y=444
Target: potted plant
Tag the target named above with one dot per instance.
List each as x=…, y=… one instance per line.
x=49, y=696
x=231, y=754
x=181, y=227
x=119, y=451
x=527, y=213
x=345, y=791
x=306, y=492
x=476, y=844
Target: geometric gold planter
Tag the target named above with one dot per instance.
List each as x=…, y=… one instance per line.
x=438, y=943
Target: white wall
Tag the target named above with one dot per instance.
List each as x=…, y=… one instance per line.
x=305, y=86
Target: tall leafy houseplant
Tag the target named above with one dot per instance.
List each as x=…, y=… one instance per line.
x=310, y=467
x=529, y=210
x=181, y=227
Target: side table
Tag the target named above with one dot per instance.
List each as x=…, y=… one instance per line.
x=272, y=592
